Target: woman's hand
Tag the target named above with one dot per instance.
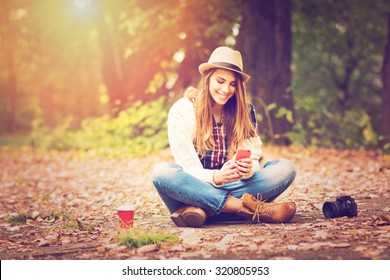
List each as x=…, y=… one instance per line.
x=244, y=167
x=228, y=173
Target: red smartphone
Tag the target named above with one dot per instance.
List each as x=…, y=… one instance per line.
x=243, y=153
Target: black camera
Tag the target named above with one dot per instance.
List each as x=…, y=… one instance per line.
x=343, y=206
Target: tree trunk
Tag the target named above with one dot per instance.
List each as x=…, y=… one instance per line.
x=265, y=41
x=128, y=79
x=386, y=90
x=10, y=87
x=112, y=67
x=46, y=103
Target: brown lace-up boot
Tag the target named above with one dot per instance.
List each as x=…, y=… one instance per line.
x=281, y=212
x=189, y=216
x=246, y=213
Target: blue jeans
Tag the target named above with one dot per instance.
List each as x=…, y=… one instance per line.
x=177, y=188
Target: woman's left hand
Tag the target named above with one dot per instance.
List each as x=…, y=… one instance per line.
x=244, y=167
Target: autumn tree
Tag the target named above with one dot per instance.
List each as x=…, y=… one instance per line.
x=338, y=51
x=76, y=59
x=265, y=41
x=386, y=90
x=161, y=45
x=8, y=90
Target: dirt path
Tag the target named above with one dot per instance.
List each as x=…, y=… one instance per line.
x=69, y=201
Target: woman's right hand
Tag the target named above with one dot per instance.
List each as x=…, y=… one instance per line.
x=228, y=173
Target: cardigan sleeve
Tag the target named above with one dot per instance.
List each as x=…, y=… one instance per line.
x=181, y=130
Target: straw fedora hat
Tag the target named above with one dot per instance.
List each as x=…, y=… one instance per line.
x=225, y=58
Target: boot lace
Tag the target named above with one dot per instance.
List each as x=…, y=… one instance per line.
x=262, y=208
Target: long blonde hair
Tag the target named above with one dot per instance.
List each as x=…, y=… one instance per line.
x=237, y=120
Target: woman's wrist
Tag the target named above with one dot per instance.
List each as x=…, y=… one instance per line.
x=215, y=179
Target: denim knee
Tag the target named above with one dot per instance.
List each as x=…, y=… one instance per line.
x=289, y=168
x=164, y=171
x=284, y=168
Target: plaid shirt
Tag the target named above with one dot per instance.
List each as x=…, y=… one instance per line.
x=214, y=159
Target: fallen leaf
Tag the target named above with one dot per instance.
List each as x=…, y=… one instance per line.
x=190, y=237
x=318, y=245
x=381, y=221
x=292, y=247
x=101, y=249
x=148, y=248
x=91, y=187
x=223, y=244
x=321, y=234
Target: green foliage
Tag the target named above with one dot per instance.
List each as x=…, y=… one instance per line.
x=58, y=215
x=76, y=61
x=20, y=218
x=286, y=113
x=135, y=237
x=45, y=197
x=280, y=113
x=58, y=138
x=337, y=60
x=318, y=126
x=138, y=129
x=75, y=224
x=13, y=140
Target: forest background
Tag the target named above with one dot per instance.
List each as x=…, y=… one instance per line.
x=100, y=76
x=85, y=89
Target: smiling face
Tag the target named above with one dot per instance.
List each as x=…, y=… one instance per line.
x=222, y=86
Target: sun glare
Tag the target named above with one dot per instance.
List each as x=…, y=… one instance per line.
x=85, y=8
x=82, y=4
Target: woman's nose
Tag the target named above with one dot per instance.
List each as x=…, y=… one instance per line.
x=225, y=88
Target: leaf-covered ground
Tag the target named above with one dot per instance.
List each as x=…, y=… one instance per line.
x=63, y=206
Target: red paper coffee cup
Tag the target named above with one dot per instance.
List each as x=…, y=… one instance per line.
x=126, y=216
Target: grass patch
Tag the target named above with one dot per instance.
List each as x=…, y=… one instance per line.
x=45, y=197
x=20, y=218
x=75, y=224
x=58, y=215
x=135, y=238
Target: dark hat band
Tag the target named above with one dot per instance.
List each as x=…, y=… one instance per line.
x=227, y=65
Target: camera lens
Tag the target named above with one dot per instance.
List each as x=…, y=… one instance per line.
x=331, y=210
x=343, y=206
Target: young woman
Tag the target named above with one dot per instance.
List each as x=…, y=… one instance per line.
x=206, y=129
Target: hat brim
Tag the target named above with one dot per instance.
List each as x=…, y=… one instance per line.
x=206, y=66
